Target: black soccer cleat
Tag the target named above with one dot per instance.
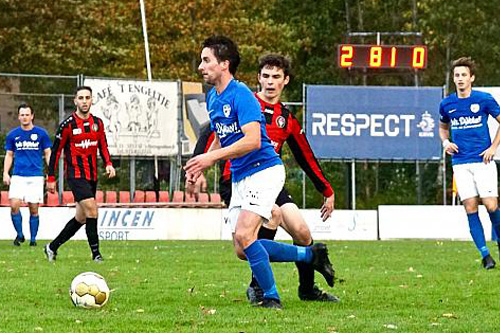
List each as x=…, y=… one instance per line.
x=32, y=243
x=488, y=262
x=255, y=294
x=98, y=258
x=18, y=241
x=318, y=295
x=270, y=303
x=322, y=264
x=51, y=255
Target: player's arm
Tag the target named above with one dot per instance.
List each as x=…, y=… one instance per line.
x=444, y=133
x=47, y=153
x=203, y=144
x=304, y=155
x=60, y=140
x=248, y=143
x=7, y=164
x=104, y=152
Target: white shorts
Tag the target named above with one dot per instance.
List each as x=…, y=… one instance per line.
x=27, y=189
x=476, y=179
x=256, y=193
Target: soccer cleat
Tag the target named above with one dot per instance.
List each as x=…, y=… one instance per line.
x=18, y=241
x=488, y=262
x=316, y=294
x=98, y=258
x=322, y=264
x=270, y=303
x=32, y=243
x=51, y=255
x=255, y=294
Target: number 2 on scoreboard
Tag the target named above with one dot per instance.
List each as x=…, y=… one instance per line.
x=346, y=55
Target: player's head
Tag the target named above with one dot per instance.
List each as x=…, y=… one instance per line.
x=274, y=75
x=25, y=114
x=463, y=70
x=83, y=99
x=219, y=54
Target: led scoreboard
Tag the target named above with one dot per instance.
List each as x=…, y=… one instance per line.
x=382, y=56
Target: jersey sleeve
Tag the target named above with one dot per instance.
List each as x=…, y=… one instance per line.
x=492, y=106
x=45, y=140
x=443, y=116
x=204, y=141
x=247, y=106
x=60, y=140
x=304, y=156
x=9, y=142
x=103, y=144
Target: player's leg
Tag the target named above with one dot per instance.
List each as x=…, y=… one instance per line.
x=17, y=189
x=466, y=186
x=296, y=226
x=89, y=206
x=34, y=197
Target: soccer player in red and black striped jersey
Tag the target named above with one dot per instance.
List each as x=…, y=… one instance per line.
x=80, y=135
x=281, y=127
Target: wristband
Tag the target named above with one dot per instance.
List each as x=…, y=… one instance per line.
x=446, y=143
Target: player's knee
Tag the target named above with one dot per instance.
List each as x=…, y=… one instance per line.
x=303, y=236
x=492, y=207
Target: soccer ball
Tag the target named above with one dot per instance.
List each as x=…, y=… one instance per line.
x=89, y=290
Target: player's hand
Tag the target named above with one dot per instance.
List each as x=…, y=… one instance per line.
x=488, y=155
x=195, y=186
x=6, y=179
x=451, y=148
x=51, y=187
x=110, y=171
x=199, y=163
x=327, y=208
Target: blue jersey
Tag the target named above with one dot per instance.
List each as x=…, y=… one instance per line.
x=28, y=147
x=469, y=124
x=235, y=107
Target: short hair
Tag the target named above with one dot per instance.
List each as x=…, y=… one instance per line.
x=25, y=105
x=77, y=89
x=464, y=62
x=275, y=60
x=224, y=49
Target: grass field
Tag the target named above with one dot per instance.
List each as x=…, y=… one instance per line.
x=195, y=286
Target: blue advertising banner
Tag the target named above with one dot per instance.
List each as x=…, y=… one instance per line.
x=353, y=122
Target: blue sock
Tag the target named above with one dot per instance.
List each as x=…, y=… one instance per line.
x=261, y=269
x=477, y=233
x=34, y=223
x=281, y=252
x=495, y=223
x=17, y=220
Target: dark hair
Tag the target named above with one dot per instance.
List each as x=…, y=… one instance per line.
x=82, y=88
x=224, y=49
x=465, y=62
x=275, y=60
x=25, y=105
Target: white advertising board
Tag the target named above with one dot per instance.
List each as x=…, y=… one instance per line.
x=140, y=117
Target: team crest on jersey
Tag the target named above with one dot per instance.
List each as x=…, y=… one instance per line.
x=280, y=121
x=226, y=109
x=34, y=136
x=95, y=127
x=77, y=131
x=474, y=107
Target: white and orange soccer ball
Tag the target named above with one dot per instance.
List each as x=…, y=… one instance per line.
x=89, y=290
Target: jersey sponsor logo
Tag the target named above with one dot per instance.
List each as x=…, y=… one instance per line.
x=426, y=125
x=223, y=130
x=86, y=123
x=269, y=110
x=466, y=122
x=280, y=122
x=226, y=109
x=86, y=144
x=77, y=131
x=34, y=136
x=27, y=145
x=474, y=108
x=95, y=127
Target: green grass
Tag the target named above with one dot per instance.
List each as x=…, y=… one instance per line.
x=173, y=286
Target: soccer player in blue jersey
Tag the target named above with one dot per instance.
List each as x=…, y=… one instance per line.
x=258, y=174
x=466, y=114
x=25, y=147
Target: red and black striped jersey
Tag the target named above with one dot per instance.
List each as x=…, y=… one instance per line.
x=80, y=139
x=281, y=127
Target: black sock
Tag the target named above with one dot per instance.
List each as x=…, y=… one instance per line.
x=266, y=233
x=92, y=237
x=306, y=273
x=69, y=231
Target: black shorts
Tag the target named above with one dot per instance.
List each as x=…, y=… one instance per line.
x=225, y=193
x=82, y=188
